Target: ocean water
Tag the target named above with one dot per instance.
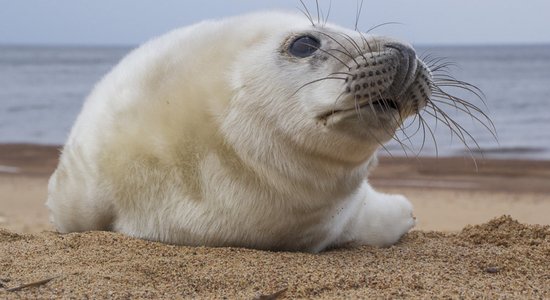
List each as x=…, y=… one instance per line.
x=42, y=90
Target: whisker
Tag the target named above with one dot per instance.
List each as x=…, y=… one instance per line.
x=306, y=13
x=366, y=42
x=432, y=133
x=455, y=100
x=346, y=54
x=357, y=108
x=358, y=14
x=353, y=44
x=315, y=81
x=318, y=12
x=462, y=133
x=339, y=44
x=336, y=102
x=332, y=55
x=380, y=143
x=386, y=108
x=468, y=105
x=328, y=13
x=474, y=117
x=382, y=24
x=443, y=67
x=462, y=85
x=340, y=73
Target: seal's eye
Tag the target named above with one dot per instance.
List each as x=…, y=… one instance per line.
x=304, y=46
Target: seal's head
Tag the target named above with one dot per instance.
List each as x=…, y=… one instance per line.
x=331, y=91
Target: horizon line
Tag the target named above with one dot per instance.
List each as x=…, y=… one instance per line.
x=122, y=45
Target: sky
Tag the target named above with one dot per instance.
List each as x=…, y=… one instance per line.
x=131, y=22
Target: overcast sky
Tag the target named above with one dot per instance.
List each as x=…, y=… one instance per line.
x=130, y=22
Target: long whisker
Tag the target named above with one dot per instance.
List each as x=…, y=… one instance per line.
x=461, y=85
x=358, y=14
x=467, y=105
x=432, y=133
x=460, y=130
x=357, y=108
x=382, y=24
x=336, y=102
x=318, y=12
x=380, y=143
x=470, y=114
x=306, y=12
x=315, y=81
x=403, y=129
x=328, y=13
x=461, y=133
x=386, y=108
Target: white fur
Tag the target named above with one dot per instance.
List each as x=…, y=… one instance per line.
x=199, y=138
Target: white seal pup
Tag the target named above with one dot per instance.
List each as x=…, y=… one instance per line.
x=253, y=131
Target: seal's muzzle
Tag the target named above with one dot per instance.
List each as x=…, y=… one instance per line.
x=393, y=78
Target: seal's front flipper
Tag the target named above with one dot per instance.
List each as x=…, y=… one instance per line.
x=382, y=219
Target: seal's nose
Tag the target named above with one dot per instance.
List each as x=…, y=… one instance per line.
x=406, y=69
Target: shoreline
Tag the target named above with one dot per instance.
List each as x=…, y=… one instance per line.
x=462, y=173
x=447, y=193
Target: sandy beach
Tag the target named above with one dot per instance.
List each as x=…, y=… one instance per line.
x=463, y=245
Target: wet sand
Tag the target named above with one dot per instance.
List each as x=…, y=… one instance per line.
x=502, y=258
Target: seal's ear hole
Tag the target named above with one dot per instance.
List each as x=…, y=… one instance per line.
x=304, y=46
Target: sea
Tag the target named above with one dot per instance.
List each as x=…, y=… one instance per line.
x=42, y=89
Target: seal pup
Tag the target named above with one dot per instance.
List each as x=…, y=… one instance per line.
x=253, y=131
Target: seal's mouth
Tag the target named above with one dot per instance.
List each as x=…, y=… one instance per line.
x=378, y=106
x=384, y=104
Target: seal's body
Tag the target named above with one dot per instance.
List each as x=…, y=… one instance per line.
x=254, y=131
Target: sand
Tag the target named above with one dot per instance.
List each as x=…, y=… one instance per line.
x=501, y=258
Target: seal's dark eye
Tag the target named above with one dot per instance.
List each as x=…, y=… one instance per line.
x=304, y=46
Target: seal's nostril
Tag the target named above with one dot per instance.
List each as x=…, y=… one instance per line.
x=406, y=68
